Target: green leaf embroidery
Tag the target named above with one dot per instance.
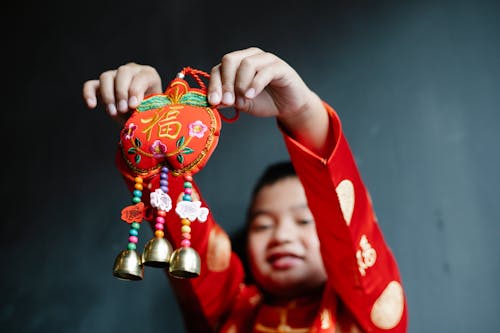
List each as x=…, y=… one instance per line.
x=187, y=150
x=131, y=150
x=137, y=159
x=180, y=159
x=138, y=142
x=180, y=142
x=154, y=102
x=195, y=99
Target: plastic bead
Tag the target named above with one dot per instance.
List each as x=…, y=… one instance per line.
x=137, y=193
x=185, y=229
x=138, y=180
x=133, y=232
x=187, y=197
x=160, y=219
x=164, y=189
x=138, y=187
x=159, y=226
x=133, y=239
x=163, y=176
x=188, y=184
x=185, y=243
x=136, y=199
x=163, y=182
x=161, y=213
x=188, y=178
x=136, y=225
x=188, y=191
x=131, y=246
x=159, y=233
x=186, y=235
x=185, y=222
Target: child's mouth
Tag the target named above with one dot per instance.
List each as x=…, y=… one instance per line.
x=282, y=261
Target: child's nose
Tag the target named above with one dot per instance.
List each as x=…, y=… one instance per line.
x=284, y=230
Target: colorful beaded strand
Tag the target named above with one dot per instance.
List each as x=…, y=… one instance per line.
x=186, y=223
x=135, y=226
x=160, y=214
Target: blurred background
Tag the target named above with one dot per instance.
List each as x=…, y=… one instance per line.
x=416, y=83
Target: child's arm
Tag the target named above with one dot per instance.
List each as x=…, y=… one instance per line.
x=360, y=266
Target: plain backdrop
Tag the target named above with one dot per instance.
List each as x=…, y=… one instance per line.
x=416, y=84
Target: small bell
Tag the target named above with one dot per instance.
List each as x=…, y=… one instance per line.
x=128, y=266
x=185, y=263
x=157, y=252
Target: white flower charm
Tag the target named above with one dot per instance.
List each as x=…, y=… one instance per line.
x=191, y=210
x=161, y=200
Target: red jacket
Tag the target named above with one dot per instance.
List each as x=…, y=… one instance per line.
x=363, y=292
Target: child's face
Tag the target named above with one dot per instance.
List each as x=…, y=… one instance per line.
x=283, y=246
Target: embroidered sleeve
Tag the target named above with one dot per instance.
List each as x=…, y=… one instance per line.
x=360, y=266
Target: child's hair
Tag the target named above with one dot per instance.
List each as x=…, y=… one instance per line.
x=272, y=174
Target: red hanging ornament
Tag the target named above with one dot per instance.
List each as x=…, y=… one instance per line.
x=170, y=135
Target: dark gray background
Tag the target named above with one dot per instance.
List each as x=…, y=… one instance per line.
x=416, y=84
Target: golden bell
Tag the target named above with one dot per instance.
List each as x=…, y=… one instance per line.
x=128, y=266
x=157, y=252
x=185, y=263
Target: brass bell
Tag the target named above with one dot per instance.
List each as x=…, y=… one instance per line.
x=128, y=266
x=185, y=263
x=157, y=252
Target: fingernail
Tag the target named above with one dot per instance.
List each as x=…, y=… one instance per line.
x=91, y=102
x=214, y=98
x=228, y=98
x=133, y=102
x=250, y=93
x=122, y=105
x=240, y=102
x=112, y=109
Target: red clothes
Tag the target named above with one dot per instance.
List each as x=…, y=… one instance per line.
x=364, y=287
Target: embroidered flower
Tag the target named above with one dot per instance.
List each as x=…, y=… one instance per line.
x=130, y=132
x=158, y=149
x=197, y=129
x=161, y=200
x=192, y=210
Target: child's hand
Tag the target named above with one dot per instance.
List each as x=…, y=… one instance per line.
x=122, y=90
x=264, y=85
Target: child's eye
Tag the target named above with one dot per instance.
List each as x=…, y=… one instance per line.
x=304, y=221
x=261, y=222
x=260, y=227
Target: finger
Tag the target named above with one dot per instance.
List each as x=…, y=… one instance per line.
x=89, y=93
x=123, y=78
x=215, y=86
x=107, y=91
x=271, y=74
x=146, y=82
x=246, y=73
x=230, y=64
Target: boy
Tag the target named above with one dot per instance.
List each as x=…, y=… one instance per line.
x=317, y=256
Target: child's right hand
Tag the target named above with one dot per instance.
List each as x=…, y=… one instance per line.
x=122, y=90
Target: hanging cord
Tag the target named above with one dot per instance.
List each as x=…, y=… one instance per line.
x=195, y=74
